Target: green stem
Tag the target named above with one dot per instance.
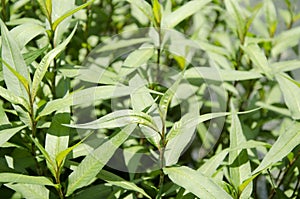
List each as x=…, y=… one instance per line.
x=3, y=11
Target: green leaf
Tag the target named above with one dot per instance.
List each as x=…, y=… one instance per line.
x=69, y=13
x=119, y=119
x=196, y=183
x=44, y=8
x=156, y=11
x=11, y=97
x=57, y=137
x=6, y=134
x=145, y=7
x=183, y=12
x=33, y=55
x=31, y=191
x=220, y=75
x=60, y=157
x=181, y=133
x=85, y=97
x=48, y=4
x=290, y=92
x=258, y=58
x=15, y=73
x=120, y=182
x=3, y=118
x=50, y=163
x=95, y=161
x=240, y=168
x=25, y=32
x=281, y=148
x=236, y=12
x=21, y=79
x=43, y=66
x=167, y=97
x=136, y=59
x=26, y=179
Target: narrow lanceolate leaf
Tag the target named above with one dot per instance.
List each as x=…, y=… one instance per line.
x=259, y=59
x=196, y=183
x=145, y=7
x=85, y=96
x=240, y=168
x=31, y=191
x=33, y=55
x=44, y=8
x=291, y=93
x=13, y=58
x=57, y=137
x=43, y=66
x=136, y=59
x=69, y=13
x=95, y=161
x=156, y=11
x=120, y=182
x=26, y=179
x=11, y=97
x=181, y=133
x=50, y=163
x=183, y=12
x=6, y=134
x=119, y=119
x=282, y=147
x=167, y=97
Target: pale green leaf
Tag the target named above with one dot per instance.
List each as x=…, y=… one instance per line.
x=144, y=6
x=119, y=119
x=26, y=179
x=69, y=13
x=57, y=137
x=257, y=56
x=25, y=32
x=95, y=161
x=215, y=74
x=196, y=183
x=136, y=59
x=290, y=92
x=33, y=55
x=85, y=96
x=120, y=182
x=31, y=191
x=281, y=148
x=43, y=66
x=11, y=97
x=7, y=133
x=183, y=12
x=15, y=73
x=240, y=168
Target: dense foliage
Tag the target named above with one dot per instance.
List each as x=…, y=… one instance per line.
x=149, y=99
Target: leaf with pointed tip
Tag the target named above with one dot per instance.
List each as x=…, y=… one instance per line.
x=156, y=11
x=95, y=161
x=15, y=73
x=6, y=134
x=43, y=66
x=145, y=7
x=291, y=92
x=33, y=55
x=183, y=12
x=11, y=97
x=26, y=179
x=31, y=191
x=285, y=143
x=69, y=13
x=196, y=183
x=120, y=182
x=119, y=119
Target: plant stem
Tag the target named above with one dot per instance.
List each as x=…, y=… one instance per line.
x=3, y=11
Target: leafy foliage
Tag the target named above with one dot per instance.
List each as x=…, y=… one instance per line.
x=149, y=99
